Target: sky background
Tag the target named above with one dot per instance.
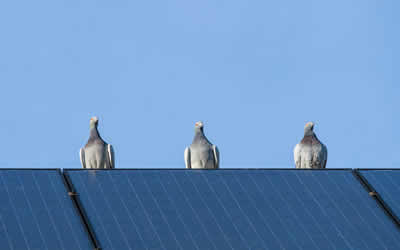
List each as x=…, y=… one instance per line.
x=253, y=71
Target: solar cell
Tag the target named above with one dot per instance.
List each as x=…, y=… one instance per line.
x=36, y=212
x=387, y=184
x=232, y=209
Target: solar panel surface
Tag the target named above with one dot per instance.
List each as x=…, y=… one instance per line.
x=36, y=212
x=387, y=184
x=232, y=209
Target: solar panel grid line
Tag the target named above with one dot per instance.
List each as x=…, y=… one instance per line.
x=37, y=189
x=348, y=210
x=385, y=236
x=154, y=217
x=273, y=197
x=79, y=210
x=97, y=196
x=111, y=199
x=83, y=192
x=294, y=221
x=213, y=216
x=231, y=218
x=245, y=227
x=393, y=186
x=332, y=212
x=307, y=207
x=126, y=210
x=161, y=212
x=388, y=237
x=349, y=189
x=382, y=201
x=336, y=189
x=202, y=238
x=131, y=208
x=288, y=244
x=65, y=214
x=59, y=210
x=319, y=232
x=208, y=196
x=246, y=215
x=335, y=192
x=377, y=224
x=4, y=234
x=211, y=196
x=396, y=187
x=326, y=222
x=35, y=242
x=27, y=198
x=147, y=216
x=190, y=200
x=186, y=230
x=9, y=216
x=259, y=213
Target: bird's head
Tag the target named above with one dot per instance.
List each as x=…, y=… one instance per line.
x=94, y=121
x=198, y=125
x=308, y=128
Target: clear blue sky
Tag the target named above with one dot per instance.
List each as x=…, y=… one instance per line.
x=254, y=71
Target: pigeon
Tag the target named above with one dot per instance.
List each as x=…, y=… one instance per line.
x=96, y=153
x=310, y=152
x=201, y=154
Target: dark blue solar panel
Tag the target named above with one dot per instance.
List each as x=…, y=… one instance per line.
x=36, y=212
x=232, y=209
x=387, y=184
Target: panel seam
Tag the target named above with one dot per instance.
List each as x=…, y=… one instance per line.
x=79, y=208
x=377, y=197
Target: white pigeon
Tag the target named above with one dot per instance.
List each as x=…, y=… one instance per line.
x=201, y=154
x=310, y=152
x=96, y=153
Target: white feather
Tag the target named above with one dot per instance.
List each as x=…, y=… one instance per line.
x=110, y=152
x=297, y=156
x=187, y=158
x=82, y=157
x=216, y=156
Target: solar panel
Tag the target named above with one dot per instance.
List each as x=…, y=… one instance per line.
x=387, y=184
x=232, y=209
x=36, y=212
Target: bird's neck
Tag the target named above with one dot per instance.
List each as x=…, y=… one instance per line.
x=309, y=133
x=199, y=136
x=309, y=138
x=94, y=134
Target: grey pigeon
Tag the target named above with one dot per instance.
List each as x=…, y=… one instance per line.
x=201, y=153
x=96, y=153
x=310, y=152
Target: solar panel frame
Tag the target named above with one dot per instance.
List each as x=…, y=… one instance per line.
x=38, y=203
x=350, y=178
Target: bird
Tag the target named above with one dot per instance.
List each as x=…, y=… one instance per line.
x=96, y=153
x=201, y=154
x=310, y=152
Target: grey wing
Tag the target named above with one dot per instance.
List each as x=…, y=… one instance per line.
x=216, y=156
x=82, y=157
x=324, y=155
x=187, y=158
x=110, y=152
x=297, y=156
